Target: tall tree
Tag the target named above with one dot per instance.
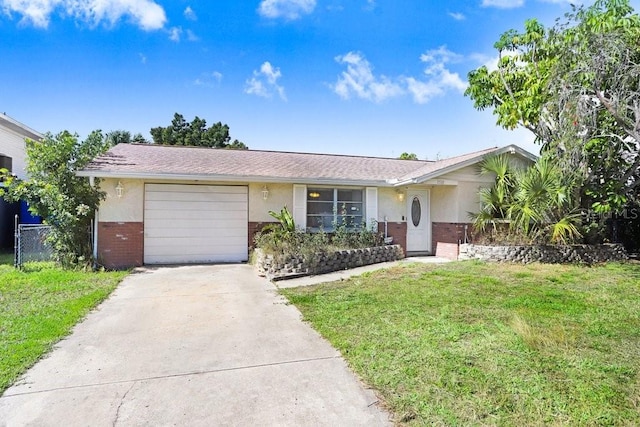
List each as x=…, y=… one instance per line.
x=575, y=86
x=195, y=134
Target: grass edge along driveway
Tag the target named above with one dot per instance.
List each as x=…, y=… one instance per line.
x=39, y=306
x=469, y=343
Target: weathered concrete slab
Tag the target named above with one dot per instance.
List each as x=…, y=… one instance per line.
x=197, y=345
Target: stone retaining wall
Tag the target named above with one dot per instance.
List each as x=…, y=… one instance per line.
x=325, y=263
x=550, y=254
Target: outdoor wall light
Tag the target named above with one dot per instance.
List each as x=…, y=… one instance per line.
x=119, y=190
x=265, y=193
x=400, y=195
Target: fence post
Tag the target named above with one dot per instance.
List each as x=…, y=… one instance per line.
x=16, y=241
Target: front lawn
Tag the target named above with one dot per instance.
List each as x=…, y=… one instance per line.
x=469, y=343
x=38, y=306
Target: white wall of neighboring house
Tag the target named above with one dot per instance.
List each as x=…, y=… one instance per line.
x=12, y=135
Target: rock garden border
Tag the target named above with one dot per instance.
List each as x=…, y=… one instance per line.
x=297, y=266
x=549, y=254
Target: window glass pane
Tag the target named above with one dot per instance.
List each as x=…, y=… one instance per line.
x=349, y=196
x=320, y=194
x=416, y=211
x=318, y=222
x=315, y=208
x=350, y=221
x=328, y=206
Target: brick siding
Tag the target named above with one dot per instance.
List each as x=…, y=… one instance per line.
x=254, y=228
x=449, y=232
x=397, y=230
x=120, y=244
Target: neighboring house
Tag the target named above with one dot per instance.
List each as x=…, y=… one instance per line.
x=12, y=157
x=12, y=145
x=170, y=205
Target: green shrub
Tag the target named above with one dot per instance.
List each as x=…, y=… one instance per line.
x=284, y=242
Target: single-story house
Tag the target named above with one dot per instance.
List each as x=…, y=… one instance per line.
x=174, y=204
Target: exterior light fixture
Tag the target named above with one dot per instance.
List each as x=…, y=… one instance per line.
x=400, y=195
x=119, y=189
x=265, y=193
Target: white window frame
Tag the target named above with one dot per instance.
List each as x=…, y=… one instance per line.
x=336, y=206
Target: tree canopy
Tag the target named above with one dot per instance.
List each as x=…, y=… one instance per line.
x=124, y=137
x=65, y=201
x=408, y=156
x=575, y=86
x=195, y=134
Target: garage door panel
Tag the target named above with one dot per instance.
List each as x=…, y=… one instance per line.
x=195, y=188
x=182, y=233
x=197, y=197
x=189, y=247
x=187, y=215
x=195, y=223
x=170, y=205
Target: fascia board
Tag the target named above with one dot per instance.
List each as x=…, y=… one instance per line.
x=230, y=178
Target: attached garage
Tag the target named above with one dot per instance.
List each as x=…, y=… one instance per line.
x=186, y=223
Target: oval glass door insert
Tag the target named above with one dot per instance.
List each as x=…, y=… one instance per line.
x=416, y=211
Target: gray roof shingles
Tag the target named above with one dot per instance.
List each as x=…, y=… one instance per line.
x=127, y=160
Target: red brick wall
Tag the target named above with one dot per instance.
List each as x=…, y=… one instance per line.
x=397, y=230
x=254, y=228
x=449, y=232
x=120, y=244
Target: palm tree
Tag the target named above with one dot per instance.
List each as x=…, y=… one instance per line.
x=535, y=202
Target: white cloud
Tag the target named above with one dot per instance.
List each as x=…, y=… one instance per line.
x=457, y=16
x=175, y=33
x=359, y=80
x=288, y=9
x=143, y=58
x=439, y=79
x=503, y=4
x=192, y=37
x=190, y=14
x=264, y=82
x=209, y=79
x=146, y=14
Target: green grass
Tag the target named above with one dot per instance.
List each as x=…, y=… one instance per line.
x=490, y=344
x=38, y=306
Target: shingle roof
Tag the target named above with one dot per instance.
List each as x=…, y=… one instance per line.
x=160, y=161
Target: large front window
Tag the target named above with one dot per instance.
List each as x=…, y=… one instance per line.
x=328, y=207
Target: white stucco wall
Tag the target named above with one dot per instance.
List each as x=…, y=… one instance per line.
x=129, y=208
x=280, y=195
x=390, y=206
x=12, y=145
x=449, y=203
x=452, y=203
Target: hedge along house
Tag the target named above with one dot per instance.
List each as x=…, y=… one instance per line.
x=175, y=205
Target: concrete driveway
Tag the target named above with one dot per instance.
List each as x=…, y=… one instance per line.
x=197, y=345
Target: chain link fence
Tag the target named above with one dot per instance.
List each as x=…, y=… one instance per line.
x=31, y=243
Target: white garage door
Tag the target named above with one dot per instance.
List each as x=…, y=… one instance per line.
x=195, y=223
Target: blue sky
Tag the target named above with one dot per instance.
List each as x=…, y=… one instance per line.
x=364, y=77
